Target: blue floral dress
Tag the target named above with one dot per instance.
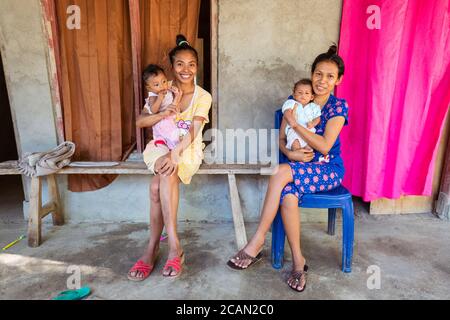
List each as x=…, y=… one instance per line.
x=318, y=176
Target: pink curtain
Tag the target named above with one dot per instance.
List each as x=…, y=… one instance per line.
x=397, y=84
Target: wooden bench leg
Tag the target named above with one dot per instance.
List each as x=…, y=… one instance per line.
x=38, y=212
x=238, y=218
x=57, y=216
x=34, y=221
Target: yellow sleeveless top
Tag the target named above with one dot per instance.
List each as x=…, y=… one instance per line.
x=193, y=156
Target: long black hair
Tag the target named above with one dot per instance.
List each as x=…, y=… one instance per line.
x=182, y=45
x=332, y=56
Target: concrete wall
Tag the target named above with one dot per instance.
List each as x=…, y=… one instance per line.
x=23, y=49
x=264, y=47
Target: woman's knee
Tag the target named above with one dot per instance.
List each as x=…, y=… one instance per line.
x=172, y=179
x=290, y=204
x=283, y=174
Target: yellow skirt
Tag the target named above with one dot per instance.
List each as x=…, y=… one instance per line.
x=188, y=164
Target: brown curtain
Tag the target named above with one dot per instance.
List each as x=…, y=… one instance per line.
x=97, y=85
x=161, y=21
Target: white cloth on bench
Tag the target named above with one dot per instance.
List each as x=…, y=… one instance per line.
x=39, y=164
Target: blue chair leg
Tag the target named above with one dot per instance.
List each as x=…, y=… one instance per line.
x=278, y=240
x=331, y=221
x=348, y=222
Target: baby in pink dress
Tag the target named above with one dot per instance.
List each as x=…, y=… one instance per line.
x=161, y=94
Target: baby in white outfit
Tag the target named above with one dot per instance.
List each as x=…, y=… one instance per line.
x=306, y=112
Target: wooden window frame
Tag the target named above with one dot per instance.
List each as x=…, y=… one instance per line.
x=50, y=28
x=214, y=66
x=136, y=45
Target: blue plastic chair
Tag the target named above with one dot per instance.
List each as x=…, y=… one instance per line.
x=336, y=198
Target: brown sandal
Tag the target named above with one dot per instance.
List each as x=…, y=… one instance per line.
x=242, y=255
x=298, y=277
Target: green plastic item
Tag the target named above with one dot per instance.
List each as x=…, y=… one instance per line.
x=74, y=294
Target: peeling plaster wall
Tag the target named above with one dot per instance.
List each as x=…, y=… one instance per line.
x=264, y=47
x=23, y=49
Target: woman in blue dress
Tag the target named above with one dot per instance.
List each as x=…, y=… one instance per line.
x=304, y=173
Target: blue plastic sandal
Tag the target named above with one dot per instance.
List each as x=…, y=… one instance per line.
x=74, y=294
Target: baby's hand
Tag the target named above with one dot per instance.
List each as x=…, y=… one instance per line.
x=178, y=94
x=314, y=123
x=162, y=95
x=174, y=90
x=169, y=111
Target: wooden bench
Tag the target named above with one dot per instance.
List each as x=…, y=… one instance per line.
x=37, y=211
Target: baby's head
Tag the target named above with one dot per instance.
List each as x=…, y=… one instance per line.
x=155, y=79
x=303, y=91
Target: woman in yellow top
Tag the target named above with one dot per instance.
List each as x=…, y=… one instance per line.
x=179, y=165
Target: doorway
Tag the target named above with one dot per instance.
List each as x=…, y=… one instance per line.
x=11, y=189
x=205, y=52
x=204, y=35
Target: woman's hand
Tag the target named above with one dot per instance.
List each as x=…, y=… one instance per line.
x=290, y=118
x=301, y=155
x=166, y=166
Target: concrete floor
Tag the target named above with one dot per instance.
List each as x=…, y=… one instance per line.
x=412, y=252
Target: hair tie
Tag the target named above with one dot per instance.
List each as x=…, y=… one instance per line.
x=183, y=42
